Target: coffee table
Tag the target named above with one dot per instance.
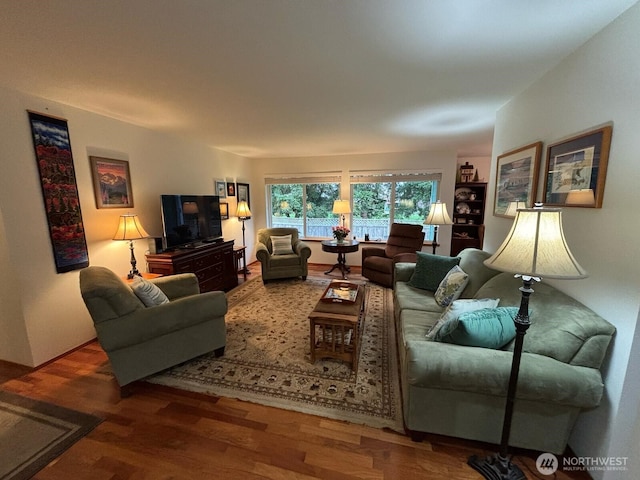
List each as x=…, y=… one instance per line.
x=336, y=324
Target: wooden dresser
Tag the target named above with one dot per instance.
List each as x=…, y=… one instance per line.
x=214, y=265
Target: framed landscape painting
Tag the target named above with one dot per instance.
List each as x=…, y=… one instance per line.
x=578, y=165
x=243, y=192
x=60, y=191
x=517, y=177
x=111, y=183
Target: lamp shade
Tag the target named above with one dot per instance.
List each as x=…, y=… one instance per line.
x=513, y=207
x=341, y=206
x=438, y=215
x=190, y=208
x=130, y=228
x=243, y=212
x=581, y=197
x=536, y=247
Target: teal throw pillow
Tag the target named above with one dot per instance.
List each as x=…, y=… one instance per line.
x=430, y=270
x=488, y=328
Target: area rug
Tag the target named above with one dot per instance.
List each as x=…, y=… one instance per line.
x=267, y=357
x=33, y=433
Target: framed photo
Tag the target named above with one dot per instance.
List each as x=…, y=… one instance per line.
x=517, y=177
x=578, y=166
x=52, y=147
x=243, y=193
x=224, y=211
x=220, y=188
x=111, y=183
x=231, y=188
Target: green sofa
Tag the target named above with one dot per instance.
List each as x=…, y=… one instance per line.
x=460, y=391
x=140, y=340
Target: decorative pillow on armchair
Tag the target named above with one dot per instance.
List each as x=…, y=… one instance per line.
x=451, y=286
x=430, y=270
x=488, y=328
x=281, y=245
x=148, y=293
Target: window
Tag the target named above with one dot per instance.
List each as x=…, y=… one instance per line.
x=305, y=204
x=382, y=199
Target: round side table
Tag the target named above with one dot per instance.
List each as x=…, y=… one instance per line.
x=347, y=246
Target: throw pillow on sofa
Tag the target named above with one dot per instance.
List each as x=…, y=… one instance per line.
x=430, y=270
x=281, y=245
x=148, y=293
x=488, y=328
x=458, y=307
x=451, y=286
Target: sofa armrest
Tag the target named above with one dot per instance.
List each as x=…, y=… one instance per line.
x=153, y=322
x=447, y=366
x=178, y=286
x=403, y=271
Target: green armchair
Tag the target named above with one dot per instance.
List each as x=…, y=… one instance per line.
x=282, y=265
x=140, y=340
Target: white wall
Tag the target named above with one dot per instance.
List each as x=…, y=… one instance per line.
x=42, y=313
x=595, y=85
x=444, y=162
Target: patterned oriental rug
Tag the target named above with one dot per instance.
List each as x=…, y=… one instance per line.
x=267, y=357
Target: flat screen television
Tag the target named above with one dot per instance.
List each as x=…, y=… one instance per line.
x=189, y=221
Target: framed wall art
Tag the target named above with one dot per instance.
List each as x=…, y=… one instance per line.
x=220, y=188
x=578, y=166
x=111, y=183
x=243, y=193
x=231, y=188
x=60, y=191
x=224, y=211
x=517, y=177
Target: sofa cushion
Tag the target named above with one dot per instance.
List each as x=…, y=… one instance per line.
x=451, y=286
x=561, y=327
x=148, y=293
x=458, y=307
x=281, y=245
x=488, y=328
x=408, y=297
x=430, y=270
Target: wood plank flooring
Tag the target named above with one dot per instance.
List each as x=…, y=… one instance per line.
x=163, y=433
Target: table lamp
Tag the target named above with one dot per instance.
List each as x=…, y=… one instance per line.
x=581, y=198
x=341, y=207
x=130, y=229
x=438, y=215
x=535, y=247
x=513, y=207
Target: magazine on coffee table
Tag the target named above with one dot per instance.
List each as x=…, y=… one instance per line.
x=340, y=292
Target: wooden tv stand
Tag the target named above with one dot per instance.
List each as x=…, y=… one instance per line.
x=213, y=264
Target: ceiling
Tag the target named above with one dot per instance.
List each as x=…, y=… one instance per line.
x=276, y=78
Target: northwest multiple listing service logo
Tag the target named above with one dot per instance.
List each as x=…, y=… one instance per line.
x=548, y=463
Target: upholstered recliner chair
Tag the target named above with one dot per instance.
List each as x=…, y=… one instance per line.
x=142, y=340
x=403, y=243
x=287, y=258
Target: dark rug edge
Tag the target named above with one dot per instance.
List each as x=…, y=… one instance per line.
x=85, y=421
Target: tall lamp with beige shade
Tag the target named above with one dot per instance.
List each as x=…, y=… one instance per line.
x=438, y=215
x=534, y=248
x=341, y=207
x=130, y=228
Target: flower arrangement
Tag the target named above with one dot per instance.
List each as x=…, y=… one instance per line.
x=340, y=233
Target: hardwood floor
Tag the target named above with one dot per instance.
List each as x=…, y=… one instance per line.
x=163, y=433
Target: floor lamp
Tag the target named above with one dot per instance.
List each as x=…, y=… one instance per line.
x=438, y=215
x=243, y=213
x=534, y=248
x=130, y=229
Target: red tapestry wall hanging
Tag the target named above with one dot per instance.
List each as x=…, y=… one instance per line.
x=60, y=191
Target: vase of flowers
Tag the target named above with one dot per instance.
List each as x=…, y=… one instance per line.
x=340, y=233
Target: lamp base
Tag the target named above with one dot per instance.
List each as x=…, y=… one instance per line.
x=496, y=467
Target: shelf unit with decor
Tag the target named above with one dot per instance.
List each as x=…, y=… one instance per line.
x=469, y=206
